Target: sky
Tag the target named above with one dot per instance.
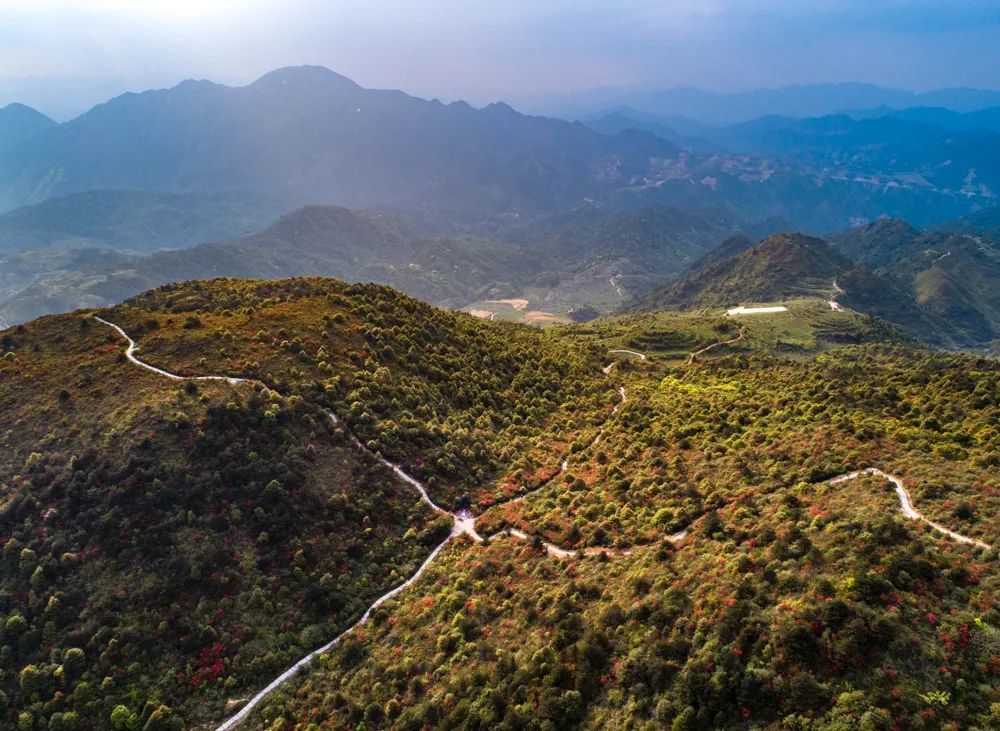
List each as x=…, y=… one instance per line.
x=62, y=56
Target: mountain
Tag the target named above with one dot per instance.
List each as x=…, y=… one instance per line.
x=590, y=256
x=953, y=278
x=911, y=293
x=878, y=244
x=640, y=247
x=132, y=220
x=717, y=545
x=804, y=100
x=779, y=267
x=177, y=545
x=617, y=122
x=307, y=134
x=19, y=123
x=316, y=240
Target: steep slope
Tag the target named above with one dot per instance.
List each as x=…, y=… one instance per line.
x=163, y=542
x=178, y=542
x=792, y=599
x=954, y=279
x=19, y=123
x=309, y=135
x=880, y=243
x=779, y=267
x=603, y=256
x=657, y=240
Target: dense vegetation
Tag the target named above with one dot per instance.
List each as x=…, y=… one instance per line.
x=813, y=609
x=171, y=546
x=779, y=267
x=460, y=402
x=175, y=545
x=692, y=437
x=948, y=280
x=792, y=603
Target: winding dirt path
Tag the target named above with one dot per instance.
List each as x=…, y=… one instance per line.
x=832, y=302
x=237, y=718
x=615, y=285
x=640, y=356
x=463, y=522
x=906, y=504
x=695, y=354
x=130, y=354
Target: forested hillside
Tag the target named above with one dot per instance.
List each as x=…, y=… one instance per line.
x=178, y=543
x=779, y=267
x=950, y=278
x=737, y=587
x=637, y=539
x=590, y=256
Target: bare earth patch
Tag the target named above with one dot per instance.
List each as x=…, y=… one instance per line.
x=535, y=316
x=517, y=304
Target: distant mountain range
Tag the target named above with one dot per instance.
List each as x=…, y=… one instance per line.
x=588, y=256
x=308, y=135
x=807, y=100
x=906, y=155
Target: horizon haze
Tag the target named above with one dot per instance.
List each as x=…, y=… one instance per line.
x=64, y=56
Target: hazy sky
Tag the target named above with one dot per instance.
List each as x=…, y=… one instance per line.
x=63, y=55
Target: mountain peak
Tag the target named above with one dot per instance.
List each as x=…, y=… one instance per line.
x=19, y=122
x=875, y=244
x=781, y=266
x=16, y=110
x=303, y=75
x=895, y=225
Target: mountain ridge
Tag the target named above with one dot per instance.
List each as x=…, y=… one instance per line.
x=323, y=139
